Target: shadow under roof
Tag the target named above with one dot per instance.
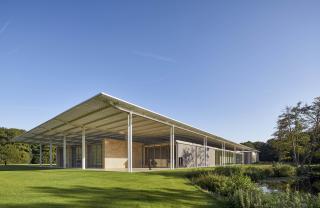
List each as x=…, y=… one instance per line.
x=105, y=116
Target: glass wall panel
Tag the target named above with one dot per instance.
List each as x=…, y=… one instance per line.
x=94, y=155
x=218, y=157
x=157, y=156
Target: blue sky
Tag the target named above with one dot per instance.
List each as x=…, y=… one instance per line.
x=228, y=67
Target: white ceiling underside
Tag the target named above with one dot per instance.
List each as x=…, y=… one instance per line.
x=104, y=116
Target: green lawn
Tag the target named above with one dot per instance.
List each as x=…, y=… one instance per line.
x=23, y=186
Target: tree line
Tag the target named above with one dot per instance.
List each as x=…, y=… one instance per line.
x=297, y=136
x=19, y=153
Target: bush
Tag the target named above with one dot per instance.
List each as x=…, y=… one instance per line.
x=242, y=182
x=252, y=198
x=235, y=184
x=316, y=186
x=247, y=198
x=228, y=170
x=290, y=199
x=224, y=185
x=256, y=173
x=213, y=183
x=281, y=170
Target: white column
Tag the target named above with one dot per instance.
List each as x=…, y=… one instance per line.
x=172, y=143
x=221, y=159
x=40, y=155
x=50, y=153
x=224, y=153
x=242, y=157
x=64, y=151
x=205, y=144
x=234, y=155
x=83, y=148
x=130, y=142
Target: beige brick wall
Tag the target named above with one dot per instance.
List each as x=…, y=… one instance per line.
x=115, y=154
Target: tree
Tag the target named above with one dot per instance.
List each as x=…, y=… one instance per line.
x=297, y=136
x=266, y=151
x=298, y=133
x=35, y=152
x=312, y=116
x=12, y=152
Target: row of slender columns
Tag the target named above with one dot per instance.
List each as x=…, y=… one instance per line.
x=172, y=145
x=130, y=135
x=64, y=149
x=50, y=154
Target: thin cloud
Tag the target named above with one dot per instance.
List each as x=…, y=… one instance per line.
x=4, y=27
x=153, y=56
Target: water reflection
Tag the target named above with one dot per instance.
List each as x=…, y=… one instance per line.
x=281, y=184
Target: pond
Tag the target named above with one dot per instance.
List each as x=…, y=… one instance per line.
x=281, y=184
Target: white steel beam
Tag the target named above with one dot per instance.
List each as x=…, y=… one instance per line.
x=83, y=148
x=130, y=142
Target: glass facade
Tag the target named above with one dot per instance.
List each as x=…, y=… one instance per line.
x=218, y=157
x=94, y=155
x=157, y=156
x=74, y=156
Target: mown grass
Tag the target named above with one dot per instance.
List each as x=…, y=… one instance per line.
x=25, y=186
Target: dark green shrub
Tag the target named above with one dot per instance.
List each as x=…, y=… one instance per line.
x=281, y=170
x=228, y=170
x=241, y=182
x=224, y=185
x=250, y=198
x=241, y=192
x=315, y=168
x=198, y=171
x=290, y=199
x=214, y=183
x=316, y=186
x=256, y=173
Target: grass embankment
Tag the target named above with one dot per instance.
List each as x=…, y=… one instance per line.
x=23, y=186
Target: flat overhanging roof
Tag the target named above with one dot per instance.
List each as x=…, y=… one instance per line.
x=105, y=116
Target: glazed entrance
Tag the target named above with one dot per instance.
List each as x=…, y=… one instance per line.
x=157, y=156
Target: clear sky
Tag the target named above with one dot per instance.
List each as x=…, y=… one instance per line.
x=228, y=67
